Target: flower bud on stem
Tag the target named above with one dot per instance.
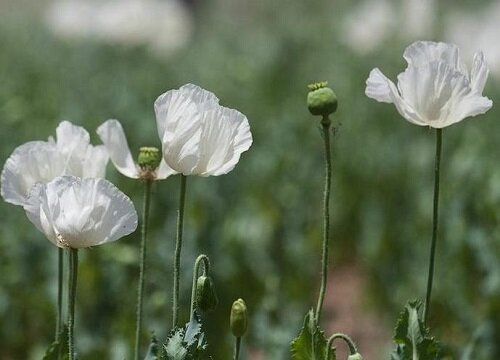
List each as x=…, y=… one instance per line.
x=238, y=322
x=353, y=351
x=203, y=294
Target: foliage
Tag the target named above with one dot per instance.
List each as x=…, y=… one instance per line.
x=58, y=350
x=311, y=343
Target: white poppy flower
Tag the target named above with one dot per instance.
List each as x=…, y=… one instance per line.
x=436, y=88
x=200, y=137
x=78, y=213
x=42, y=161
x=112, y=135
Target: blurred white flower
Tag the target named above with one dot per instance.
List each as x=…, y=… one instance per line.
x=112, y=135
x=436, y=88
x=478, y=29
x=42, y=161
x=163, y=25
x=372, y=22
x=200, y=137
x=79, y=213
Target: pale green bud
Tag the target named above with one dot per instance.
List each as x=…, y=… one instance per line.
x=206, y=297
x=356, y=356
x=321, y=100
x=238, y=320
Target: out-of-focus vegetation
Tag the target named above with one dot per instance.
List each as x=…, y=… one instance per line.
x=260, y=224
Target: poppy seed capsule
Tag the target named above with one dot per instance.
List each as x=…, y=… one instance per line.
x=356, y=356
x=321, y=100
x=238, y=319
x=149, y=158
x=206, y=297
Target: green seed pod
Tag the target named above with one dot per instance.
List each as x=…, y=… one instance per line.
x=321, y=100
x=148, y=159
x=238, y=320
x=356, y=356
x=206, y=297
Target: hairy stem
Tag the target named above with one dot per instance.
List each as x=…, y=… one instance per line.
x=435, y=218
x=237, y=345
x=326, y=218
x=73, y=277
x=142, y=266
x=178, y=247
x=196, y=269
x=60, y=270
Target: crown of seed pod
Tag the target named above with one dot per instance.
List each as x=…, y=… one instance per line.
x=321, y=100
x=206, y=297
x=356, y=356
x=238, y=319
x=149, y=158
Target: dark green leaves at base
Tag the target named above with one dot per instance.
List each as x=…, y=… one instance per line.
x=412, y=337
x=311, y=343
x=58, y=350
x=186, y=343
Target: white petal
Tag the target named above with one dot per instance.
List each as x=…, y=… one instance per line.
x=200, y=137
x=35, y=161
x=72, y=139
x=479, y=73
x=164, y=171
x=96, y=159
x=38, y=212
x=225, y=135
x=421, y=53
x=380, y=88
x=112, y=135
x=82, y=212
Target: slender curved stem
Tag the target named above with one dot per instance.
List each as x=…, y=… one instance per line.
x=206, y=270
x=352, y=346
x=178, y=247
x=435, y=218
x=60, y=270
x=237, y=346
x=142, y=266
x=326, y=220
x=73, y=277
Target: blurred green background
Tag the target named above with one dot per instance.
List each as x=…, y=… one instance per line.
x=260, y=224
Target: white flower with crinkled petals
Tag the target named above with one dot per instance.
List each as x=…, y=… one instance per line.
x=77, y=213
x=42, y=161
x=436, y=88
x=113, y=137
x=200, y=137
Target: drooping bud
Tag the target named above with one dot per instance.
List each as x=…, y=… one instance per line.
x=356, y=356
x=238, y=320
x=321, y=100
x=206, y=297
x=148, y=159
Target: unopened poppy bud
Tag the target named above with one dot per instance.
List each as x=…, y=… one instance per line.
x=238, y=320
x=149, y=158
x=321, y=100
x=356, y=356
x=206, y=297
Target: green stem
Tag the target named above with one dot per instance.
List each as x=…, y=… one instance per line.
x=60, y=269
x=237, y=346
x=142, y=266
x=326, y=220
x=352, y=346
x=178, y=247
x=196, y=269
x=434, y=224
x=73, y=277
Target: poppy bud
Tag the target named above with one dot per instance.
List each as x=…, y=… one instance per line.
x=238, y=320
x=321, y=100
x=356, y=356
x=206, y=297
x=149, y=158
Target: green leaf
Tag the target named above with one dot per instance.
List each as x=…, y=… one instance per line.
x=58, y=350
x=311, y=343
x=412, y=337
x=187, y=343
x=155, y=351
